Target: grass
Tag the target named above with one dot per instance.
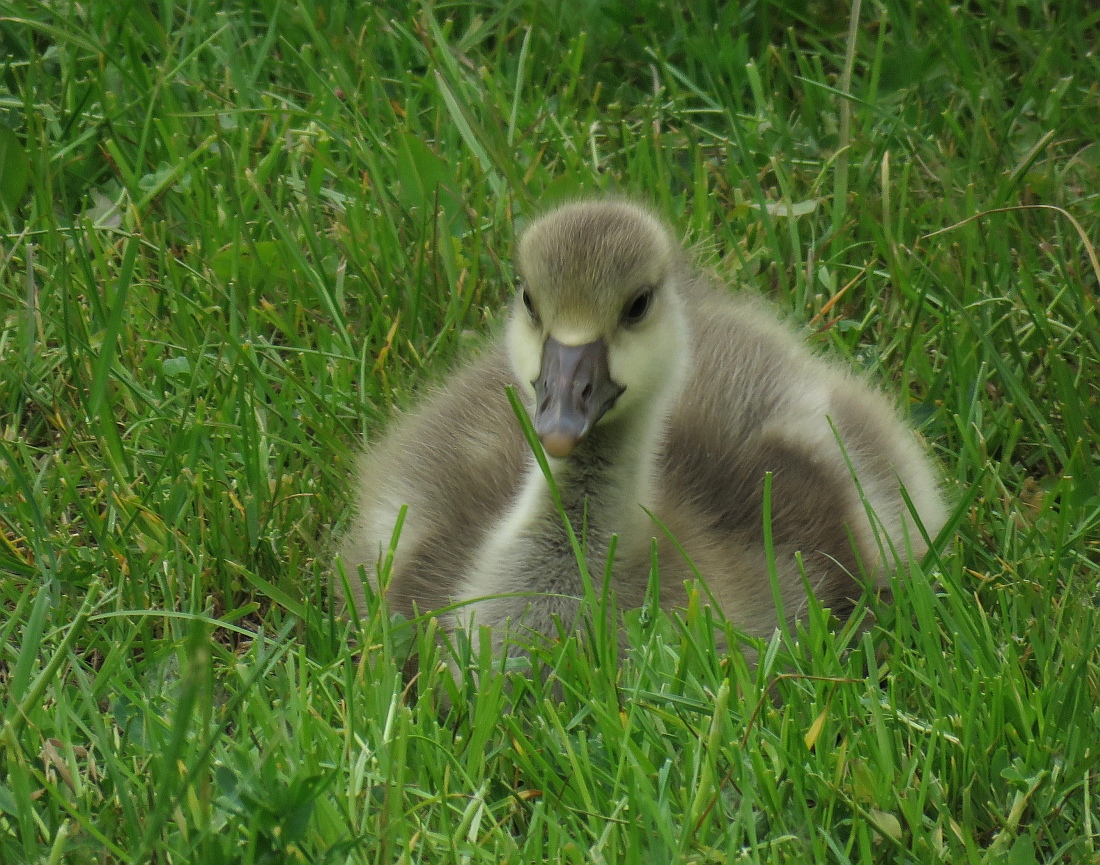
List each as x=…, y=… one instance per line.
x=237, y=236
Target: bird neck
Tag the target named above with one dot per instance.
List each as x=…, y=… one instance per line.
x=609, y=481
x=526, y=571
x=605, y=480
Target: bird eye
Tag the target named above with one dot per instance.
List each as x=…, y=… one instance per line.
x=529, y=304
x=637, y=309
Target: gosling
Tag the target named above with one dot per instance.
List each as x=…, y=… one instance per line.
x=662, y=403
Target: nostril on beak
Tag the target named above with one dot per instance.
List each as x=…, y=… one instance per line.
x=586, y=394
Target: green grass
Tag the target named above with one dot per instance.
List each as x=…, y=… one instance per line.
x=238, y=235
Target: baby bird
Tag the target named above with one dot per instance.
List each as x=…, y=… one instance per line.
x=653, y=393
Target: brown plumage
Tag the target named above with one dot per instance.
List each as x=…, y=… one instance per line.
x=651, y=388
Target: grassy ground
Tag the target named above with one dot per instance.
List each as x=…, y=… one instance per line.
x=236, y=235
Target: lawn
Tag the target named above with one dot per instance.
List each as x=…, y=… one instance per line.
x=237, y=236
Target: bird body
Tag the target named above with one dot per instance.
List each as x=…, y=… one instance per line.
x=662, y=402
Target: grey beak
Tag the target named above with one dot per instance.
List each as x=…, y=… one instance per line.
x=573, y=391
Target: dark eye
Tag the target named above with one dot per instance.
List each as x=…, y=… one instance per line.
x=529, y=304
x=637, y=309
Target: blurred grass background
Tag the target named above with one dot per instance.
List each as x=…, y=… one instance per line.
x=237, y=235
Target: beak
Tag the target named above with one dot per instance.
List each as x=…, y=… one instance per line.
x=573, y=391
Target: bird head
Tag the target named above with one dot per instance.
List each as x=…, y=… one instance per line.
x=598, y=330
